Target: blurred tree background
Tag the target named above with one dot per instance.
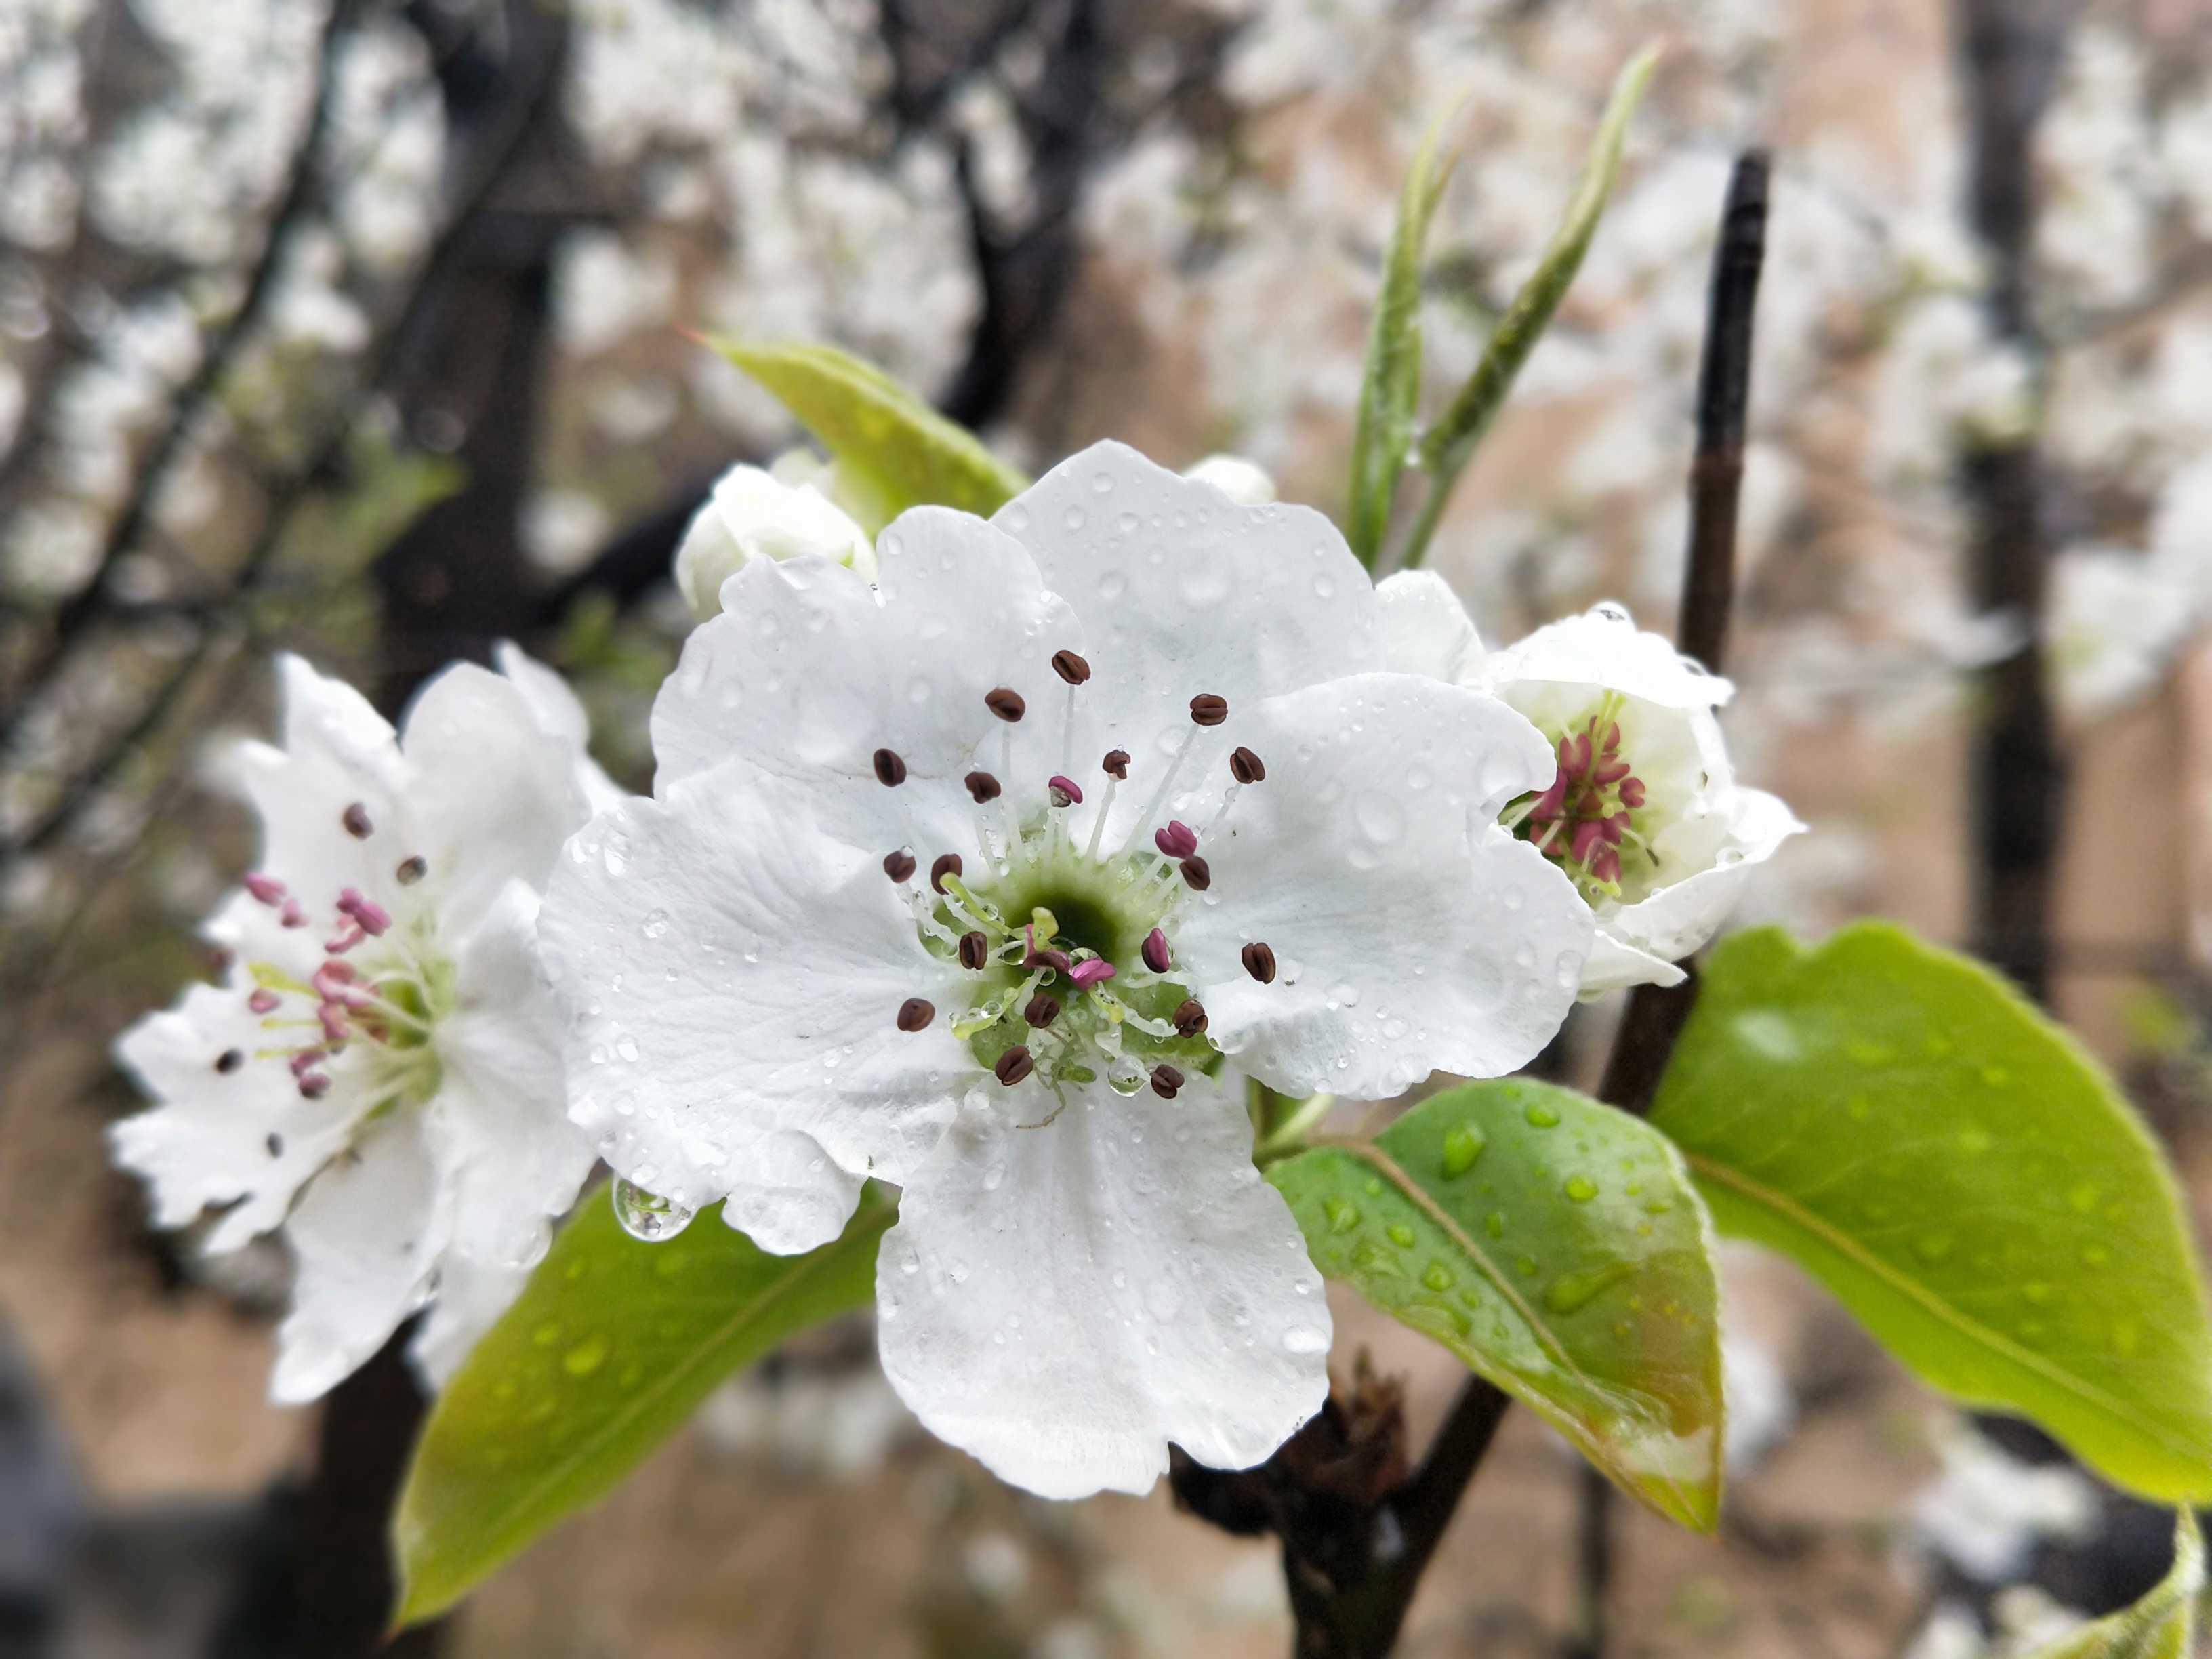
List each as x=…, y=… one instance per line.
x=365, y=330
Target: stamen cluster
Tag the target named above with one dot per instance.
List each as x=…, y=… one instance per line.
x=1588, y=815
x=1068, y=945
x=389, y=995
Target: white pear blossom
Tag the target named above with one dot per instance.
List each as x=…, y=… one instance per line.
x=758, y=514
x=1643, y=812
x=974, y=880
x=379, y=1072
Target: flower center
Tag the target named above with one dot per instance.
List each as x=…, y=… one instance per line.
x=1064, y=940
x=1594, y=811
x=380, y=985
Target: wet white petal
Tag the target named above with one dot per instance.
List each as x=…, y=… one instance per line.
x=1063, y=1302
x=1410, y=934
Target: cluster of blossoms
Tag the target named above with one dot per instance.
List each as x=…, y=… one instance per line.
x=990, y=860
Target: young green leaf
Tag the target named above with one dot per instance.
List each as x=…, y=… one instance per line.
x=1555, y=1245
x=609, y=1349
x=1451, y=442
x=893, y=451
x=2162, y=1625
x=1950, y=1163
x=1391, y=386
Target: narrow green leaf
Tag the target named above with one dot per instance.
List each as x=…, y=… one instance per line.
x=1952, y=1165
x=2162, y=1625
x=892, y=449
x=609, y=1349
x=1391, y=386
x=1451, y=442
x=1555, y=1245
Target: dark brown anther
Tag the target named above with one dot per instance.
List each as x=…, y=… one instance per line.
x=1070, y=667
x=1013, y=1066
x=1165, y=1081
x=1197, y=873
x=1117, y=763
x=1206, y=709
x=1260, y=963
x=891, y=770
x=898, y=866
x=314, y=1086
x=975, y=950
x=1043, y=1008
x=981, y=786
x=1006, y=703
x=411, y=871
x=357, y=822
x=1189, y=1017
x=915, y=1013
x=1155, y=952
x=229, y=1060
x=948, y=864
x=1245, y=765
x=275, y=1144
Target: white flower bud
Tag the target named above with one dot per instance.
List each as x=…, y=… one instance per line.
x=753, y=514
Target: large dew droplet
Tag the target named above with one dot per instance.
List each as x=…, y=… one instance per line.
x=648, y=1215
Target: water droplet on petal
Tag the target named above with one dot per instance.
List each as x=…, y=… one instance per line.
x=648, y=1215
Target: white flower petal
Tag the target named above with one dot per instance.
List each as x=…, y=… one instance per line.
x=1615, y=965
x=735, y=970
x=1425, y=629
x=1182, y=592
x=1063, y=1302
x=1411, y=934
x=1604, y=648
x=506, y=1153
x=807, y=672
x=246, y=1135
x=559, y=714
x=794, y=1198
x=1680, y=918
x=471, y=1297
x=492, y=795
x=366, y=1236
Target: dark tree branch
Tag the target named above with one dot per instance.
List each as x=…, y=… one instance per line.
x=2009, y=54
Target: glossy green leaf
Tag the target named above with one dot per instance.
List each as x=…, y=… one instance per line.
x=1953, y=1165
x=893, y=451
x=2162, y=1625
x=1555, y=1245
x=1391, y=386
x=1451, y=442
x=611, y=1347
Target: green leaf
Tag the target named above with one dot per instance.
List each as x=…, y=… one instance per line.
x=1950, y=1163
x=2162, y=1625
x=893, y=451
x=611, y=1347
x=1451, y=442
x=1391, y=386
x=1555, y=1245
